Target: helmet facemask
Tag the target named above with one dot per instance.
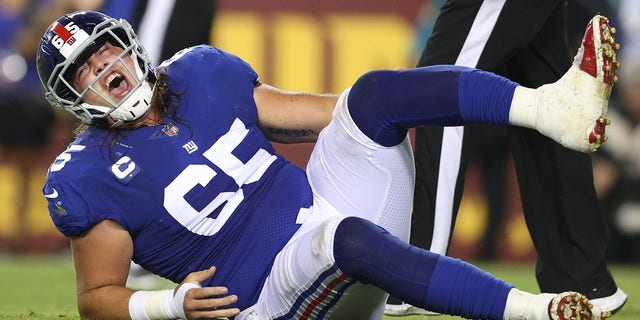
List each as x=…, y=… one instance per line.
x=61, y=92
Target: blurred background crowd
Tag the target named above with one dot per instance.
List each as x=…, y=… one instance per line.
x=317, y=46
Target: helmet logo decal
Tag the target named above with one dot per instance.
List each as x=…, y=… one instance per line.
x=62, y=32
x=67, y=38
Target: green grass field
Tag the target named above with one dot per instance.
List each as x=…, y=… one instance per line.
x=43, y=287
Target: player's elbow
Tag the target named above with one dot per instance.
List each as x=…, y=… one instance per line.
x=89, y=307
x=86, y=311
x=85, y=308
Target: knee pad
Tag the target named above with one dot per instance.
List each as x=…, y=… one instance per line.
x=371, y=107
x=351, y=249
x=370, y=254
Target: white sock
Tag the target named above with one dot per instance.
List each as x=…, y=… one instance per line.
x=524, y=108
x=523, y=305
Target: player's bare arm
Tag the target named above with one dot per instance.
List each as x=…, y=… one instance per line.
x=102, y=258
x=292, y=117
x=102, y=265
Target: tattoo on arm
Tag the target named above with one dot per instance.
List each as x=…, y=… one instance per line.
x=292, y=132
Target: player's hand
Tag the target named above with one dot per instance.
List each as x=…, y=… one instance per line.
x=207, y=302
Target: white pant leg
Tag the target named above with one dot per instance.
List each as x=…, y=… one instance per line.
x=350, y=176
x=305, y=282
x=362, y=178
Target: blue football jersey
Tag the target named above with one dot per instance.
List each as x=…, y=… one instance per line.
x=204, y=188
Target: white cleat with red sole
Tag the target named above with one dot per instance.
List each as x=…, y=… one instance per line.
x=574, y=306
x=573, y=110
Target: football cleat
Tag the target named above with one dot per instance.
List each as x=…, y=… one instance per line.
x=574, y=306
x=573, y=110
x=597, y=55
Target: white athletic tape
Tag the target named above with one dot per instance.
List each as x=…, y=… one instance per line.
x=146, y=305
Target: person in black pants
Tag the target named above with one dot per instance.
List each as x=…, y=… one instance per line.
x=526, y=41
x=166, y=27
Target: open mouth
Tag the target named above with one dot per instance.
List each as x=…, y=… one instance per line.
x=117, y=84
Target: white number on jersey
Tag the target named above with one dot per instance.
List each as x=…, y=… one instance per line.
x=199, y=174
x=62, y=159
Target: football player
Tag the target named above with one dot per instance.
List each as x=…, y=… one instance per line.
x=174, y=170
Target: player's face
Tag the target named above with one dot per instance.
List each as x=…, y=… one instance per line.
x=116, y=82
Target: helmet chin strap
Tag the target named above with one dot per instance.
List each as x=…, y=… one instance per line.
x=134, y=107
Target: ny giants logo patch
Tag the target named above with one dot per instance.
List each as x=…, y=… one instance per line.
x=68, y=38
